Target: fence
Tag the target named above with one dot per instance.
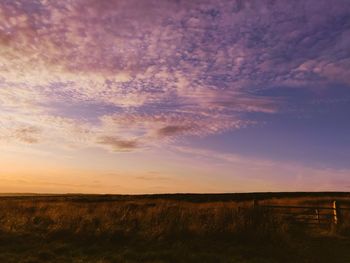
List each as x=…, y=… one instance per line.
x=313, y=216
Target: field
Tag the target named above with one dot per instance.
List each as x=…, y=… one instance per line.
x=171, y=228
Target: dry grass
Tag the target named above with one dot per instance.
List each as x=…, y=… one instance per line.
x=102, y=222
x=140, y=218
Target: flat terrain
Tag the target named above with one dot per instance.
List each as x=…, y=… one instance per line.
x=169, y=228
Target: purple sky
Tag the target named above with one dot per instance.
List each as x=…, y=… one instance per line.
x=174, y=96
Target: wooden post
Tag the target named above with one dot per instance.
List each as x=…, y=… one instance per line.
x=335, y=214
x=318, y=216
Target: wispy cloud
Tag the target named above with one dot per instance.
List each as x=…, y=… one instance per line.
x=117, y=144
x=257, y=173
x=27, y=134
x=171, y=130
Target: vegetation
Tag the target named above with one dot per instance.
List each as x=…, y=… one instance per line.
x=167, y=228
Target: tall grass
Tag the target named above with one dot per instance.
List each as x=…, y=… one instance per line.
x=135, y=219
x=161, y=229
x=145, y=218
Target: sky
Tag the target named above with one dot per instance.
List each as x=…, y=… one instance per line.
x=172, y=96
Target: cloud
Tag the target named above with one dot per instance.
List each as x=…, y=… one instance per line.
x=154, y=127
x=172, y=130
x=27, y=134
x=151, y=176
x=153, y=71
x=117, y=144
x=249, y=174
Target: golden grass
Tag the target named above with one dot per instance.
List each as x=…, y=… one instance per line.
x=144, y=217
x=188, y=228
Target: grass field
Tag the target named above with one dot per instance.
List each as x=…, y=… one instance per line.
x=167, y=228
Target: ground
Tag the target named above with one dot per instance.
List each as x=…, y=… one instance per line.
x=170, y=229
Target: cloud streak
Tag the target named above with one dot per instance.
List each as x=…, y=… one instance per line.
x=117, y=144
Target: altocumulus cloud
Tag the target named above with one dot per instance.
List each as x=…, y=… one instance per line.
x=159, y=69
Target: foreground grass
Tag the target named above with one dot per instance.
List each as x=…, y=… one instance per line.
x=312, y=249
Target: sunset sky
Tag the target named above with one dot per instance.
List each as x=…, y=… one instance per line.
x=164, y=96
